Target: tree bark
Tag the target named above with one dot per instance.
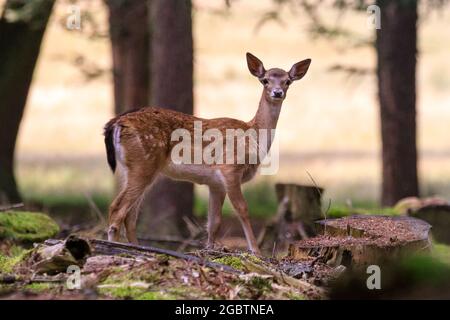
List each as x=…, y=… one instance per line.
x=299, y=207
x=170, y=202
x=130, y=44
x=396, y=53
x=20, y=43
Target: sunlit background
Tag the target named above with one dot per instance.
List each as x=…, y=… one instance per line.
x=328, y=128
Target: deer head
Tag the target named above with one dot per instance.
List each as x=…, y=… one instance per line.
x=276, y=81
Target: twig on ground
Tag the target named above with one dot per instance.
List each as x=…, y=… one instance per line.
x=95, y=209
x=11, y=206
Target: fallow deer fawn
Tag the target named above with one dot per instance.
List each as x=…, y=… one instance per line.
x=141, y=143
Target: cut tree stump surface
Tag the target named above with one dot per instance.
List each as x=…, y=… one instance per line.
x=362, y=240
x=379, y=230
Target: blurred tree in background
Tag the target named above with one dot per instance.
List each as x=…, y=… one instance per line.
x=172, y=67
x=22, y=27
x=396, y=49
x=152, y=49
x=396, y=45
x=130, y=45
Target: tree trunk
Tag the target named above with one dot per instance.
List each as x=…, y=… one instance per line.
x=299, y=207
x=396, y=52
x=171, y=202
x=129, y=33
x=20, y=44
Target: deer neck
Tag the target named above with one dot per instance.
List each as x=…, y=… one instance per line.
x=266, y=118
x=267, y=114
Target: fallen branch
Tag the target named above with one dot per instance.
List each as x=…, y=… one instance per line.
x=115, y=248
x=110, y=247
x=11, y=206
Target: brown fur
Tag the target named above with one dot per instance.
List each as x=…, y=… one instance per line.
x=145, y=141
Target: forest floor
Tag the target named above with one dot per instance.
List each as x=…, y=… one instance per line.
x=120, y=271
x=221, y=274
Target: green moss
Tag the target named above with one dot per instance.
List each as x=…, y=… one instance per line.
x=294, y=296
x=122, y=292
x=252, y=258
x=339, y=211
x=261, y=284
x=121, y=284
x=119, y=276
x=441, y=252
x=427, y=269
x=153, y=295
x=231, y=261
x=39, y=287
x=135, y=293
x=26, y=226
x=7, y=263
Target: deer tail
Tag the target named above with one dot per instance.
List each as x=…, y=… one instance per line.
x=108, y=132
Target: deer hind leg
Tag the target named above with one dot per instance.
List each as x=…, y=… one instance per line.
x=114, y=227
x=125, y=208
x=216, y=199
x=240, y=206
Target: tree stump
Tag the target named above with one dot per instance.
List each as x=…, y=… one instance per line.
x=434, y=210
x=299, y=207
x=359, y=241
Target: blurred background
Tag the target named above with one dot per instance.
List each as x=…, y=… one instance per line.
x=98, y=58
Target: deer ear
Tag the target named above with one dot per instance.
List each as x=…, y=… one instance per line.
x=255, y=66
x=299, y=69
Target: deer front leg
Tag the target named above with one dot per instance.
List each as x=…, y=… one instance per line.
x=240, y=206
x=216, y=199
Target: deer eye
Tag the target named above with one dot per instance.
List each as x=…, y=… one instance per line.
x=264, y=81
x=288, y=82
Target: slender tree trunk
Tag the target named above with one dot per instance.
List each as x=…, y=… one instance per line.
x=129, y=33
x=171, y=87
x=396, y=52
x=20, y=43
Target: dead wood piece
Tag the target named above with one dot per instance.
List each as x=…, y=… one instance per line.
x=58, y=278
x=57, y=257
x=298, y=208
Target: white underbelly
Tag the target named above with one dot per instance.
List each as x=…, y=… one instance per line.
x=197, y=173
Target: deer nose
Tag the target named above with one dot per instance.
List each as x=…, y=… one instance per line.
x=277, y=93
